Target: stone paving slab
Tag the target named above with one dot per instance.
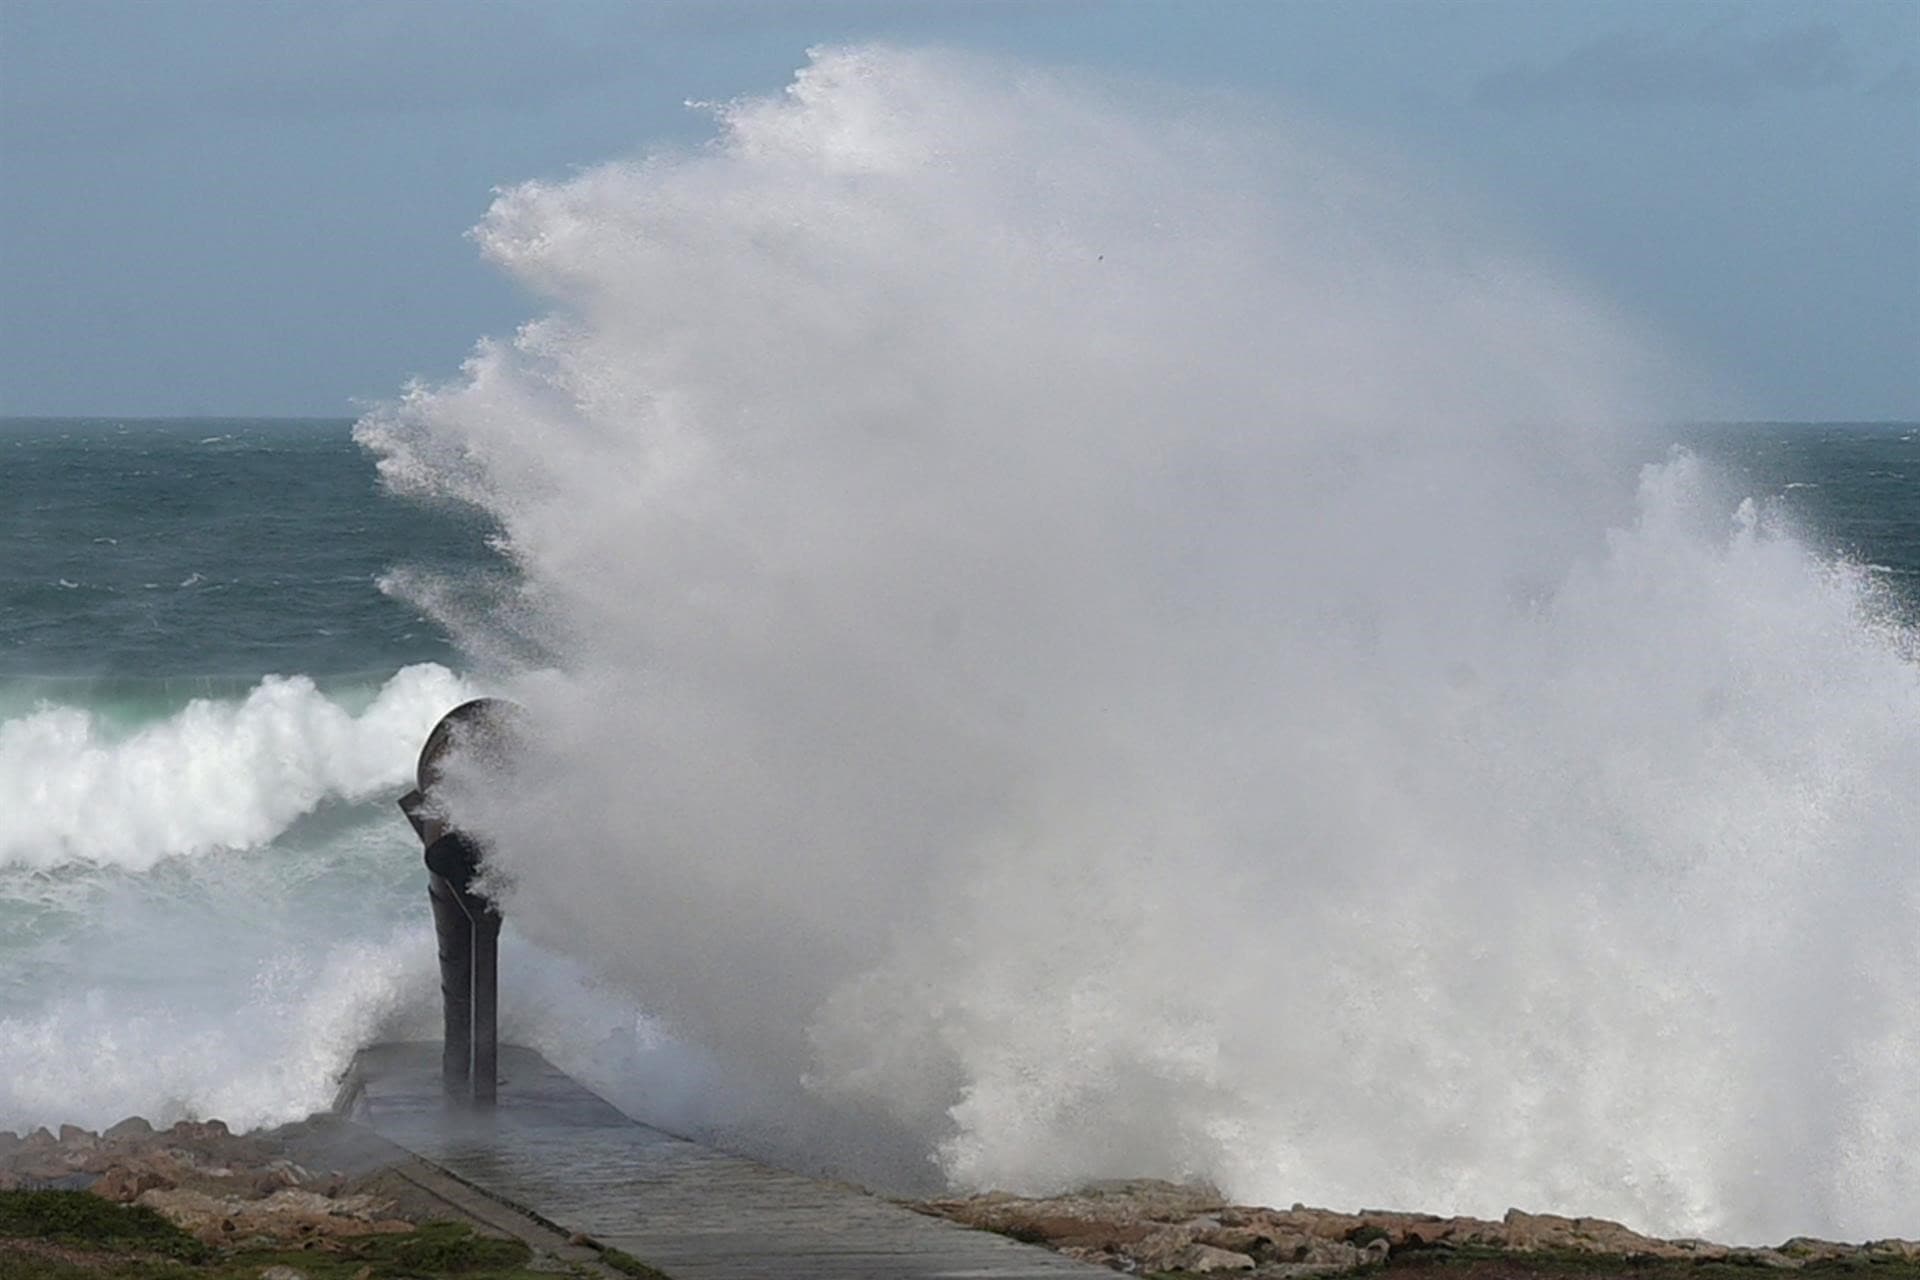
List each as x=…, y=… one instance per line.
x=556, y=1150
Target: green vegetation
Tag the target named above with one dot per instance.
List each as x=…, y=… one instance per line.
x=448, y=1248
x=76, y=1220
x=71, y=1235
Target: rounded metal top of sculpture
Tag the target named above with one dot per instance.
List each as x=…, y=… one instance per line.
x=487, y=728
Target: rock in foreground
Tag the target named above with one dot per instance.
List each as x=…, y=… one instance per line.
x=221, y=1187
x=1151, y=1227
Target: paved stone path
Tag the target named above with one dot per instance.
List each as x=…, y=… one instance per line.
x=560, y=1152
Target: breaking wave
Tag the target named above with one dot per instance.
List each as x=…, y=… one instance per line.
x=217, y=773
x=1097, y=635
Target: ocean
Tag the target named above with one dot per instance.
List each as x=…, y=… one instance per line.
x=208, y=704
x=1065, y=634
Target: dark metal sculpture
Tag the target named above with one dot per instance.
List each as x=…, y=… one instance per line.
x=466, y=923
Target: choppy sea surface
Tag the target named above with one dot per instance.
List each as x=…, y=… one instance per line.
x=208, y=704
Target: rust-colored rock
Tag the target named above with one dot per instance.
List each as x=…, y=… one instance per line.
x=278, y=1175
x=132, y=1129
x=1159, y=1227
x=1201, y=1259
x=74, y=1138
x=200, y=1130
x=287, y=1216
x=123, y=1184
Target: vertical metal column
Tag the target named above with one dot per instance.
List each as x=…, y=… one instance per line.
x=486, y=1002
x=466, y=925
x=453, y=930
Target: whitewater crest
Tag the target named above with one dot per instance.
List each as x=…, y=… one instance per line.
x=217, y=774
x=1095, y=635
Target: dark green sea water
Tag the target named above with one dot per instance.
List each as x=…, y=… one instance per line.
x=209, y=548
x=203, y=553
x=195, y=655
x=1852, y=488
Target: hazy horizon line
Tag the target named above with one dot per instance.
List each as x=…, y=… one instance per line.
x=352, y=418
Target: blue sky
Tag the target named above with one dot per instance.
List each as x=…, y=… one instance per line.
x=225, y=207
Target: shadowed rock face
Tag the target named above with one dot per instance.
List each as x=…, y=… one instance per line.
x=1152, y=1226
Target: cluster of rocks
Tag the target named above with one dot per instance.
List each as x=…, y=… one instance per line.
x=224, y=1188
x=1149, y=1227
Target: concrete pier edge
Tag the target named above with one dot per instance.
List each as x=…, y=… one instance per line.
x=578, y=1170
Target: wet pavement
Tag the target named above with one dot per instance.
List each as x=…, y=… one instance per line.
x=561, y=1153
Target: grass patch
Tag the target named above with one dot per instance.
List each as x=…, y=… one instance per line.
x=80, y=1220
x=74, y=1235
x=448, y=1248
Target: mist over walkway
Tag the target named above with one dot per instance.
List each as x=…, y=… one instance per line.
x=552, y=1148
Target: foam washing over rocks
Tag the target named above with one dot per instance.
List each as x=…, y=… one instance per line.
x=1095, y=634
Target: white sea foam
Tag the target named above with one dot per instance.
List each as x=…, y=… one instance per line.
x=1099, y=638
x=218, y=774
x=239, y=984
x=264, y=1042
x=236, y=983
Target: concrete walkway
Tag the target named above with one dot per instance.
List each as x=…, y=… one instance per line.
x=565, y=1155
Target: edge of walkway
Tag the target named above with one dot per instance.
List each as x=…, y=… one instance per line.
x=643, y=1191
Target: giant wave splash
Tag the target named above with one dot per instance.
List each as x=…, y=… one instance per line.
x=1094, y=635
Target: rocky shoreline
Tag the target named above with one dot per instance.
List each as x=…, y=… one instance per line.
x=313, y=1181
x=1154, y=1228
x=324, y=1180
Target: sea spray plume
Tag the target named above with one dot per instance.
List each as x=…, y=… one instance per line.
x=1116, y=641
